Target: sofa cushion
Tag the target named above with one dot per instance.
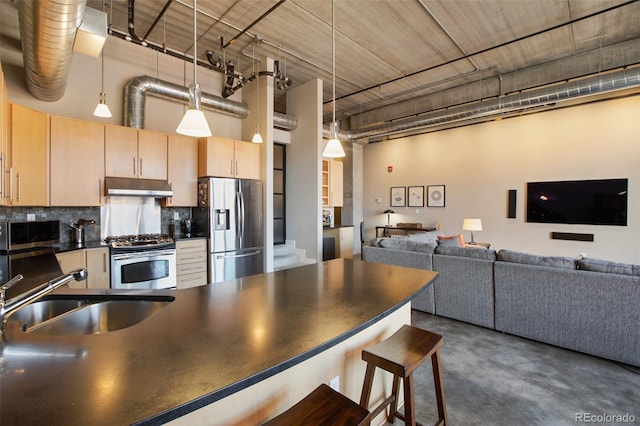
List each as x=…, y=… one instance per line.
x=466, y=252
x=598, y=265
x=407, y=244
x=533, y=259
x=451, y=240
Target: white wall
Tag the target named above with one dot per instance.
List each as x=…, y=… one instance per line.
x=480, y=163
x=304, y=162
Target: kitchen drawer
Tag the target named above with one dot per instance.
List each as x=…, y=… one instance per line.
x=192, y=280
x=191, y=256
x=192, y=245
x=189, y=268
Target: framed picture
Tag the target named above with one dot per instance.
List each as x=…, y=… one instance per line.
x=416, y=196
x=435, y=196
x=398, y=196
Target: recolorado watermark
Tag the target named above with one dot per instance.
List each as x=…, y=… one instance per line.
x=604, y=418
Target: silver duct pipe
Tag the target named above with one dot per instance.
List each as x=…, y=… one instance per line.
x=285, y=122
x=47, y=30
x=137, y=89
x=600, y=84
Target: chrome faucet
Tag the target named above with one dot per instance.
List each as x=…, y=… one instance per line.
x=7, y=307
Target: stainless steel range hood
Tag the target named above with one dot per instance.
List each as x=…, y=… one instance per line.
x=137, y=187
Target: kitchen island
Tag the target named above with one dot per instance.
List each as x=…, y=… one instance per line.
x=240, y=350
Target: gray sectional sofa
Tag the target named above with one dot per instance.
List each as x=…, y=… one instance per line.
x=588, y=305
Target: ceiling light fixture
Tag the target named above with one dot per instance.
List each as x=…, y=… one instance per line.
x=194, y=122
x=257, y=138
x=102, y=109
x=333, y=149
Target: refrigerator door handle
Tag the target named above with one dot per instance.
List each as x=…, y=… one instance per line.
x=242, y=215
x=232, y=256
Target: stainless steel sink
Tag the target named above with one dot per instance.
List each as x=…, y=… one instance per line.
x=75, y=317
x=42, y=311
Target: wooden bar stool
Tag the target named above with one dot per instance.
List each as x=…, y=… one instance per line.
x=400, y=355
x=323, y=406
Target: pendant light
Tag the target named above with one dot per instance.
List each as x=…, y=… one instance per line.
x=257, y=138
x=333, y=149
x=194, y=122
x=102, y=109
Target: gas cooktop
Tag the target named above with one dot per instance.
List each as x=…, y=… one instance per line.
x=139, y=241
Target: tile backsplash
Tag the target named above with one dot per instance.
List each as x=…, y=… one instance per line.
x=69, y=215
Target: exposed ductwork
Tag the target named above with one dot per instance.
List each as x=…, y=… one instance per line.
x=455, y=116
x=47, y=30
x=138, y=88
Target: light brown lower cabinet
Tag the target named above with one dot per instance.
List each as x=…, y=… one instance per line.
x=98, y=268
x=97, y=262
x=191, y=263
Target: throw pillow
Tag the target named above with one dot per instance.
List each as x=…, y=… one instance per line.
x=427, y=236
x=451, y=240
x=598, y=265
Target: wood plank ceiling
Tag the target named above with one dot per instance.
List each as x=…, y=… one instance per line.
x=396, y=56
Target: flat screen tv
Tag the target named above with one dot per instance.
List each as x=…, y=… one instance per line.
x=584, y=202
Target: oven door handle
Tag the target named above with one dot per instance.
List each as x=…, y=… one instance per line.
x=138, y=255
x=231, y=256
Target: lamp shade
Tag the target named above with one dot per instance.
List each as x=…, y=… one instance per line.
x=194, y=124
x=333, y=149
x=102, y=110
x=257, y=138
x=472, y=225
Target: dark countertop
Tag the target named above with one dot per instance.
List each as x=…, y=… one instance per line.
x=60, y=248
x=210, y=342
x=337, y=226
x=37, y=266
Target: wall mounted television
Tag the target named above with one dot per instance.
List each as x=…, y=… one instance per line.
x=583, y=202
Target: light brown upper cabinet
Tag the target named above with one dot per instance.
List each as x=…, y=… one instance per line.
x=28, y=164
x=4, y=137
x=183, y=171
x=225, y=157
x=77, y=162
x=135, y=153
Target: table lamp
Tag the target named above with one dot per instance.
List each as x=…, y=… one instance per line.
x=472, y=225
x=388, y=212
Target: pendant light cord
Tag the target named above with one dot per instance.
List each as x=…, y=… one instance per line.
x=195, y=43
x=333, y=58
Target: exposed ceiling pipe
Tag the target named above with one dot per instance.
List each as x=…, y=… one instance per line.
x=131, y=23
x=47, y=31
x=137, y=89
x=452, y=117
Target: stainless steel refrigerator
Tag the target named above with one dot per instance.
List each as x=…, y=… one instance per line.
x=229, y=215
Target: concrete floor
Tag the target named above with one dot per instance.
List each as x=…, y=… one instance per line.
x=491, y=378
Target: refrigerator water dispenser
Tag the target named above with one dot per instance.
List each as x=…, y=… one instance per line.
x=221, y=220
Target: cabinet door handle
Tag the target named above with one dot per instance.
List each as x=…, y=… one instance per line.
x=104, y=262
x=231, y=167
x=134, y=165
x=140, y=167
x=236, y=169
x=100, y=191
x=19, y=188
x=1, y=175
x=11, y=184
